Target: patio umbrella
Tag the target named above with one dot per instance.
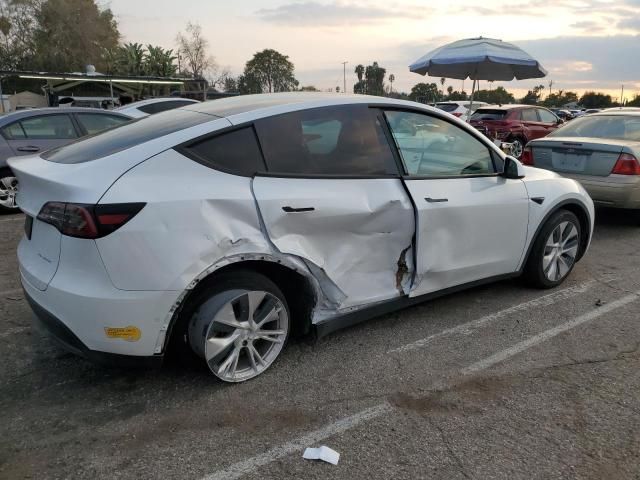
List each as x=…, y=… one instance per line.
x=479, y=59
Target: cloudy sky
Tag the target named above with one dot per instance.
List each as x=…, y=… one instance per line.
x=584, y=44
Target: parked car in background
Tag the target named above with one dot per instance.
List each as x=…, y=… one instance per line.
x=515, y=124
x=35, y=130
x=565, y=115
x=222, y=228
x=589, y=111
x=144, y=108
x=459, y=108
x=576, y=113
x=601, y=151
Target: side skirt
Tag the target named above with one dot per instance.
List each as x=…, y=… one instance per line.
x=353, y=318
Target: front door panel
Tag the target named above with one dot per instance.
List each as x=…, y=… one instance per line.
x=468, y=229
x=358, y=231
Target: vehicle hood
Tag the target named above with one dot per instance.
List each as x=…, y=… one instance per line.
x=533, y=173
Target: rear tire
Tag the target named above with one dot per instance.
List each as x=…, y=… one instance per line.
x=518, y=146
x=239, y=325
x=8, y=190
x=554, y=251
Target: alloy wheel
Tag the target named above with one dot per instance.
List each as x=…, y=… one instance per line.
x=8, y=191
x=243, y=334
x=560, y=251
x=516, y=147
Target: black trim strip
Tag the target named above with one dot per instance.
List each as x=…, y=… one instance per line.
x=353, y=318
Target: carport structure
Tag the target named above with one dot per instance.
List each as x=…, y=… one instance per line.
x=131, y=85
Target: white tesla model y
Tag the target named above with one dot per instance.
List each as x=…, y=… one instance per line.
x=223, y=227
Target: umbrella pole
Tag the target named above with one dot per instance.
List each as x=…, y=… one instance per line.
x=473, y=88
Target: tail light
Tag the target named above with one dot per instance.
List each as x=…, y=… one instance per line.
x=527, y=156
x=88, y=221
x=627, y=164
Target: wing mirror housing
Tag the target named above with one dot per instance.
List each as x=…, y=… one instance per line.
x=512, y=168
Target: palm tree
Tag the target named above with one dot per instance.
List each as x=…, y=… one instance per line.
x=359, y=72
x=392, y=78
x=131, y=59
x=442, y=82
x=159, y=62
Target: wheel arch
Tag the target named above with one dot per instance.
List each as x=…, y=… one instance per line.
x=297, y=285
x=579, y=210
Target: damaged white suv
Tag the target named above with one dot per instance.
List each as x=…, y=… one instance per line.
x=223, y=227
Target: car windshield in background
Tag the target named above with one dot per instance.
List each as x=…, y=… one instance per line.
x=447, y=107
x=618, y=127
x=126, y=136
x=489, y=114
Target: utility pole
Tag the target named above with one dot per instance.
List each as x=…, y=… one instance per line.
x=344, y=77
x=550, y=85
x=622, y=97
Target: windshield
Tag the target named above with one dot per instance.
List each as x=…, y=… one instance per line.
x=618, y=127
x=489, y=114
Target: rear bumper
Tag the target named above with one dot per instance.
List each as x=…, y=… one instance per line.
x=72, y=343
x=619, y=191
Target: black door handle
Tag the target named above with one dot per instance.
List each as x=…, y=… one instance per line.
x=436, y=200
x=28, y=148
x=302, y=209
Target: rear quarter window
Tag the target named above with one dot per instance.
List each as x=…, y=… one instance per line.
x=235, y=152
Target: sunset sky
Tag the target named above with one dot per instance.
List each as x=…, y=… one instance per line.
x=584, y=45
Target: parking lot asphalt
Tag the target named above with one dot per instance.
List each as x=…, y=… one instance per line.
x=500, y=381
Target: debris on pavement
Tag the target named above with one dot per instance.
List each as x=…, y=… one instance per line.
x=600, y=303
x=322, y=453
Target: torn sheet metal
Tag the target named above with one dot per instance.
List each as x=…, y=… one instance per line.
x=354, y=230
x=323, y=453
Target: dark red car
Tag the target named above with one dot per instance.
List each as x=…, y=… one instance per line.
x=516, y=124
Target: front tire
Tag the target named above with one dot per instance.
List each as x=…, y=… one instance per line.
x=554, y=251
x=240, y=325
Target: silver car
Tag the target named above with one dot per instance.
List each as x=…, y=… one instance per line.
x=26, y=132
x=601, y=151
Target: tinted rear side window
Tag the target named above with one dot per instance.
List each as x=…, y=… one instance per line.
x=162, y=106
x=236, y=152
x=127, y=136
x=447, y=107
x=343, y=140
x=489, y=114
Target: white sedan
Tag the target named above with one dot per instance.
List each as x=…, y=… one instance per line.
x=222, y=228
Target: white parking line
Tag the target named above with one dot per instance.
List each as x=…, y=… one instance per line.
x=547, y=334
x=251, y=464
x=239, y=469
x=469, y=327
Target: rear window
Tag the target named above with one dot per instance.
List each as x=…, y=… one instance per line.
x=447, y=107
x=158, y=107
x=617, y=127
x=127, y=136
x=489, y=114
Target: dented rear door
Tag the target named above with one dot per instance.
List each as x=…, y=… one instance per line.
x=358, y=231
x=333, y=197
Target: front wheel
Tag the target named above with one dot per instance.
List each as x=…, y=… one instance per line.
x=240, y=326
x=517, y=147
x=554, y=251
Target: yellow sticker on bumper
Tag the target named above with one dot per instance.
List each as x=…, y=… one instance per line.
x=130, y=334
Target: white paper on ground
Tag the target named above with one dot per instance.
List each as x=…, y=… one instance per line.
x=322, y=453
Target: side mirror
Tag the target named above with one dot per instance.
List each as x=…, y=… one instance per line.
x=512, y=168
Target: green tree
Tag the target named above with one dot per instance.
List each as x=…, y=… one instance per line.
x=635, y=102
x=424, y=92
x=533, y=96
x=310, y=88
x=560, y=98
x=374, y=78
x=498, y=95
x=17, y=26
x=159, y=62
x=230, y=85
x=595, y=100
x=270, y=71
x=449, y=90
x=248, y=84
x=70, y=34
x=392, y=78
x=131, y=59
x=456, y=95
